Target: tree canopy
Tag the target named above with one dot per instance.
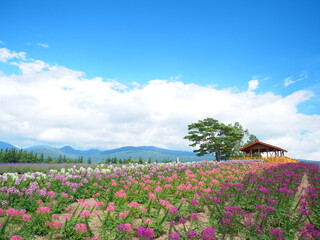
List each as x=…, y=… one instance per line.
x=219, y=139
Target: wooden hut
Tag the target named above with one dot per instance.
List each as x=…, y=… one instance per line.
x=257, y=148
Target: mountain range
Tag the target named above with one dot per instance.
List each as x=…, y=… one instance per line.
x=144, y=152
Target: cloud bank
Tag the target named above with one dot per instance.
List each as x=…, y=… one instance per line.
x=47, y=104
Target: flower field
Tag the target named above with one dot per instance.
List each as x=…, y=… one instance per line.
x=203, y=200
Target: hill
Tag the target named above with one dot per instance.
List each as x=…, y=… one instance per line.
x=143, y=152
x=4, y=145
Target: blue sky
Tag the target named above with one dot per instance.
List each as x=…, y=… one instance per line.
x=208, y=42
x=224, y=44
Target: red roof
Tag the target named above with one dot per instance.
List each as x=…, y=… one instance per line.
x=262, y=147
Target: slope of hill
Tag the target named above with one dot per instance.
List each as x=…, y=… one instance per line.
x=4, y=145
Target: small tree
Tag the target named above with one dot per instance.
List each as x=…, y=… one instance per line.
x=213, y=137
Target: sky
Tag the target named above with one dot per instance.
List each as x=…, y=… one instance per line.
x=108, y=74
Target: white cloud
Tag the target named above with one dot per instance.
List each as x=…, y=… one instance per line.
x=253, y=85
x=35, y=66
x=6, y=54
x=1, y=42
x=290, y=80
x=44, y=45
x=56, y=105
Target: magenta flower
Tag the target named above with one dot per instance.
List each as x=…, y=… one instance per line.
x=228, y=214
x=174, y=236
x=226, y=221
x=182, y=220
x=194, y=202
x=208, y=233
x=174, y=211
x=192, y=235
x=144, y=232
x=193, y=217
x=125, y=227
x=277, y=233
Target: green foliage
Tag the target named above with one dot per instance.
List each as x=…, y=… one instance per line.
x=22, y=156
x=213, y=137
x=252, y=138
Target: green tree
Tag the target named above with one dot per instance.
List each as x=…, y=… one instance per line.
x=252, y=138
x=213, y=137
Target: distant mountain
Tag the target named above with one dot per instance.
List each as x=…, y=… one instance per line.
x=70, y=150
x=309, y=161
x=36, y=147
x=149, y=148
x=153, y=153
x=4, y=145
x=144, y=152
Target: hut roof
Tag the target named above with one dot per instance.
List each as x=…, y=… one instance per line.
x=258, y=146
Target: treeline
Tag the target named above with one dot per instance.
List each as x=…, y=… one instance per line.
x=23, y=156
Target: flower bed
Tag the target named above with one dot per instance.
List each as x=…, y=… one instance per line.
x=203, y=200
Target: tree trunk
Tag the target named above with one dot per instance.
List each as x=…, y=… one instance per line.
x=218, y=158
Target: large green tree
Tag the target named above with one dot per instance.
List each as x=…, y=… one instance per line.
x=213, y=137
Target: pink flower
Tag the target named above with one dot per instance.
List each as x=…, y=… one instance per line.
x=16, y=237
x=51, y=194
x=183, y=200
x=143, y=210
x=147, y=221
x=110, y=207
x=66, y=216
x=123, y=214
x=84, y=203
x=85, y=213
x=114, y=183
x=56, y=224
x=65, y=195
x=152, y=196
x=158, y=189
x=133, y=205
x=98, y=204
x=121, y=193
x=81, y=227
x=13, y=212
x=26, y=217
x=96, y=195
x=43, y=210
